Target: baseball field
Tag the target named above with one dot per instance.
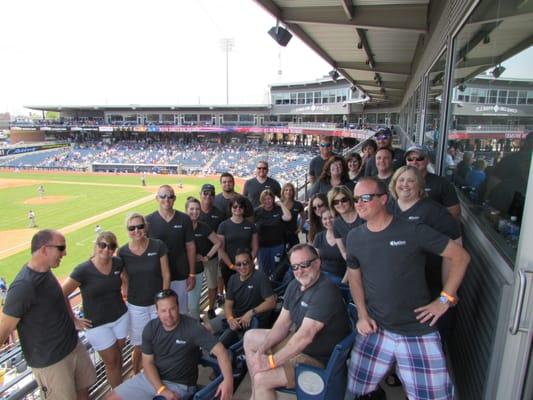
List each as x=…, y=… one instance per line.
x=74, y=203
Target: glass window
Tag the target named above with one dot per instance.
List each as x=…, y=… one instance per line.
x=190, y=117
x=502, y=96
x=433, y=107
x=301, y=98
x=317, y=99
x=309, y=98
x=167, y=117
x=293, y=98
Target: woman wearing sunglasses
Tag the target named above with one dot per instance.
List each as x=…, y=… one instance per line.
x=106, y=316
x=331, y=261
x=236, y=233
x=317, y=204
x=343, y=207
x=334, y=173
x=145, y=273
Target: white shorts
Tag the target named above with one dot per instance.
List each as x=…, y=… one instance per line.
x=180, y=287
x=104, y=336
x=139, y=317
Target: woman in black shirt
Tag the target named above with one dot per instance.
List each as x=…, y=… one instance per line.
x=294, y=227
x=334, y=174
x=331, y=261
x=317, y=204
x=346, y=218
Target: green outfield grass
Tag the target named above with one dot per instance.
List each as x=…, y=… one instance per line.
x=83, y=201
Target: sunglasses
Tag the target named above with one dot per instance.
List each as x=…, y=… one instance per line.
x=325, y=144
x=235, y=206
x=60, y=247
x=411, y=159
x=382, y=137
x=163, y=294
x=166, y=196
x=366, y=198
x=344, y=200
x=208, y=193
x=317, y=206
x=104, y=245
x=262, y=168
x=139, y=227
x=303, y=265
x=242, y=264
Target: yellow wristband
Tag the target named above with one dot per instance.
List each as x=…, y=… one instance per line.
x=161, y=389
x=271, y=361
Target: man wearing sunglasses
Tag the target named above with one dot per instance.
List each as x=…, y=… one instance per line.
x=396, y=315
x=254, y=187
x=325, y=146
x=437, y=188
x=175, y=229
x=312, y=321
x=36, y=307
x=170, y=354
x=383, y=139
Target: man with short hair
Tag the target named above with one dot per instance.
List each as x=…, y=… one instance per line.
x=437, y=188
x=254, y=187
x=396, y=314
x=312, y=321
x=175, y=229
x=384, y=140
x=223, y=200
x=36, y=307
x=171, y=352
x=384, y=165
x=325, y=146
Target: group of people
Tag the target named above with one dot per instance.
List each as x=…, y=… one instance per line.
x=385, y=230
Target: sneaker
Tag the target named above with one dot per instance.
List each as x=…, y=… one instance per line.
x=211, y=314
x=378, y=394
x=220, y=300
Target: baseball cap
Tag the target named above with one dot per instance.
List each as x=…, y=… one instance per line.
x=207, y=187
x=419, y=149
x=383, y=132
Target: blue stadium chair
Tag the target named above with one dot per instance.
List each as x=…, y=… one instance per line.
x=208, y=392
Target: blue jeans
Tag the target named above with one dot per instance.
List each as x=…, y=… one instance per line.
x=267, y=257
x=194, y=296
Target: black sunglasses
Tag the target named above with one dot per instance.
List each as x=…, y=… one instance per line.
x=163, y=294
x=262, y=168
x=366, y=198
x=337, y=202
x=131, y=228
x=104, y=245
x=242, y=264
x=411, y=159
x=317, y=206
x=325, y=144
x=208, y=193
x=60, y=247
x=235, y=206
x=303, y=265
x=166, y=196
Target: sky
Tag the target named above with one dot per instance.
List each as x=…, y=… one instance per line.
x=72, y=52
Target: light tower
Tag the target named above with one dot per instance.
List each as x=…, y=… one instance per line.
x=226, y=44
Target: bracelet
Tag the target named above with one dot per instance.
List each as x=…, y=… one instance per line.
x=232, y=266
x=161, y=389
x=271, y=361
x=230, y=318
x=192, y=276
x=450, y=298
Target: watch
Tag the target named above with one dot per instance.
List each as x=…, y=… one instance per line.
x=444, y=300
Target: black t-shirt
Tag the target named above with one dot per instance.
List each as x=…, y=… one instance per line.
x=296, y=209
x=203, y=244
x=441, y=190
x=223, y=205
x=315, y=166
x=321, y=302
x=330, y=256
x=236, y=236
x=253, y=188
x=398, y=160
x=177, y=352
x=175, y=233
x=248, y=294
x=102, y=299
x=341, y=227
x=144, y=272
x=392, y=264
x=213, y=218
x=46, y=330
x=271, y=228
x=323, y=186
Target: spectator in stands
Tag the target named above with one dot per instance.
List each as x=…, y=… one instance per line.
x=36, y=307
x=312, y=321
x=369, y=148
x=396, y=314
x=341, y=203
x=317, y=204
x=355, y=163
x=145, y=272
x=316, y=165
x=248, y=295
x=222, y=200
x=207, y=245
x=236, y=233
x=295, y=225
x=106, y=318
x=384, y=140
x=438, y=188
x=270, y=218
x=463, y=168
x=449, y=159
x=171, y=345
x=255, y=186
x=477, y=175
x=174, y=228
x=384, y=165
x=332, y=263
x=335, y=173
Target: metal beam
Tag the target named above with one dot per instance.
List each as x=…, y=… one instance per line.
x=387, y=85
x=366, y=47
x=347, y=6
x=380, y=67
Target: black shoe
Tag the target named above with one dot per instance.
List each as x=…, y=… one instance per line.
x=211, y=314
x=378, y=394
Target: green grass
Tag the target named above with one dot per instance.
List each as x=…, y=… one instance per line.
x=84, y=201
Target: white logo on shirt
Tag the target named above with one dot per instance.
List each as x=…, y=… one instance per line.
x=198, y=235
x=395, y=243
x=117, y=272
x=178, y=226
x=304, y=304
x=180, y=341
x=250, y=286
x=151, y=254
x=247, y=227
x=427, y=189
x=275, y=215
x=413, y=218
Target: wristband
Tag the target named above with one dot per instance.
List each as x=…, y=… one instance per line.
x=271, y=361
x=161, y=389
x=230, y=318
x=450, y=298
x=192, y=276
x=232, y=266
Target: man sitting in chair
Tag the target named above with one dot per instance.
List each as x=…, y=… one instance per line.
x=170, y=355
x=312, y=321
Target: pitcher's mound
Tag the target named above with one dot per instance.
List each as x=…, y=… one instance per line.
x=46, y=200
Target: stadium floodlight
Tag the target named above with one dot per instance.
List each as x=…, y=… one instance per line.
x=496, y=72
x=334, y=74
x=281, y=35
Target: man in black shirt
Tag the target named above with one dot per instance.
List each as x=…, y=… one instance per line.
x=325, y=147
x=315, y=312
x=397, y=316
x=171, y=351
x=253, y=187
x=223, y=200
x=36, y=307
x=384, y=140
x=384, y=165
x=174, y=228
x=438, y=188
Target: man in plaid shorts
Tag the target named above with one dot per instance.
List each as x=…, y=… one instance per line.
x=397, y=317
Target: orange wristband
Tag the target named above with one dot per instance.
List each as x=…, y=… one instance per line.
x=161, y=389
x=450, y=298
x=271, y=361
x=230, y=318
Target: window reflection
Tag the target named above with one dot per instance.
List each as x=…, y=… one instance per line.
x=434, y=105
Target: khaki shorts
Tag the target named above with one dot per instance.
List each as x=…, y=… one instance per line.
x=61, y=381
x=290, y=365
x=212, y=273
